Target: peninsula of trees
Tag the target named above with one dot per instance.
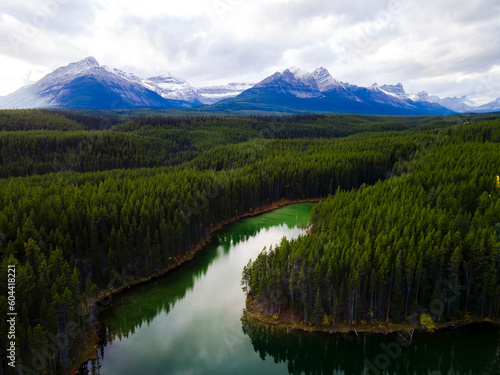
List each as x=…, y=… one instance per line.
x=424, y=241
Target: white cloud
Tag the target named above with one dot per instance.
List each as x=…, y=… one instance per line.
x=442, y=47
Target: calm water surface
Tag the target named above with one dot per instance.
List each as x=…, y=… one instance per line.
x=192, y=322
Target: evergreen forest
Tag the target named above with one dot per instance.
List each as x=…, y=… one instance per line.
x=410, y=211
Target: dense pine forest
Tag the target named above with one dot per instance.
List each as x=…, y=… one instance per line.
x=89, y=201
x=426, y=240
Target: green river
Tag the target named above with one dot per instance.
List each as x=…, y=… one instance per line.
x=192, y=321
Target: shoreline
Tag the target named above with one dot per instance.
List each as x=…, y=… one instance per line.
x=200, y=245
x=178, y=261
x=256, y=313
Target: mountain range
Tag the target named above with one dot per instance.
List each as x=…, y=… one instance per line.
x=86, y=84
x=295, y=90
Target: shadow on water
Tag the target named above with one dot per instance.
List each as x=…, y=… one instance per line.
x=470, y=350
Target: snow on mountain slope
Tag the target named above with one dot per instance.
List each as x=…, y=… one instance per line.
x=461, y=104
x=174, y=88
x=296, y=90
x=396, y=90
x=456, y=104
x=171, y=87
x=325, y=81
x=72, y=69
x=85, y=84
x=213, y=94
x=493, y=106
x=421, y=96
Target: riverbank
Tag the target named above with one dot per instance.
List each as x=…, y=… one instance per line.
x=287, y=320
x=106, y=296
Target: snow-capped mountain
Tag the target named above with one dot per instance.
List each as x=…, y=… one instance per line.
x=293, y=81
x=396, y=90
x=325, y=81
x=461, y=104
x=421, y=96
x=85, y=84
x=456, y=104
x=295, y=90
x=493, y=106
x=214, y=94
x=464, y=104
x=170, y=87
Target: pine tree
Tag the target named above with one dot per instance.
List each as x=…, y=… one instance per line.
x=318, y=311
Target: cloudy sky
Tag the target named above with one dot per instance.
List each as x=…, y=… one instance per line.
x=446, y=47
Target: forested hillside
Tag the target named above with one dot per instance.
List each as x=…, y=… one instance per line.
x=41, y=141
x=136, y=196
x=425, y=240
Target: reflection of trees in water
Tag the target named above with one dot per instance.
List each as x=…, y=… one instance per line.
x=242, y=231
x=141, y=305
x=234, y=238
x=130, y=310
x=470, y=350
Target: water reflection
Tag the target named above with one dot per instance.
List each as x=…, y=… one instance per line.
x=138, y=308
x=134, y=312
x=190, y=322
x=470, y=350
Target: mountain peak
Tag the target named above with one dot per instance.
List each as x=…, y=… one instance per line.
x=396, y=89
x=315, y=83
x=321, y=71
x=75, y=67
x=298, y=73
x=421, y=96
x=167, y=78
x=87, y=63
x=82, y=84
x=324, y=80
x=90, y=61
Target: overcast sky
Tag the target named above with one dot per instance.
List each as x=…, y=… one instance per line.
x=445, y=47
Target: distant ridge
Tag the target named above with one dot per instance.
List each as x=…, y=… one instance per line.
x=87, y=85
x=295, y=90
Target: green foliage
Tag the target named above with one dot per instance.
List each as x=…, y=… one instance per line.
x=136, y=198
x=41, y=152
x=26, y=120
x=382, y=251
x=63, y=141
